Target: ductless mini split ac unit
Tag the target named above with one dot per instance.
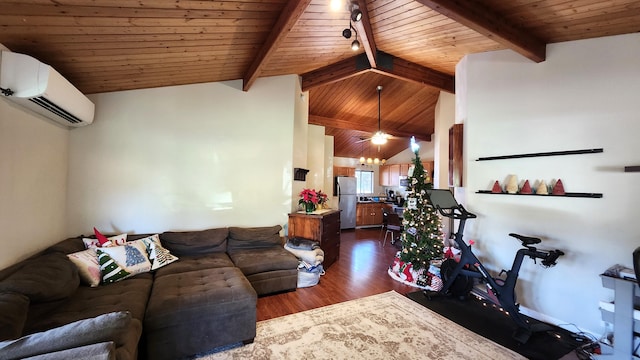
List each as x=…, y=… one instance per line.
x=38, y=87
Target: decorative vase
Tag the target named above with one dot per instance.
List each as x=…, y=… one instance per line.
x=309, y=207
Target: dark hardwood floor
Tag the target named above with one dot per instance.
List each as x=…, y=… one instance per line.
x=360, y=271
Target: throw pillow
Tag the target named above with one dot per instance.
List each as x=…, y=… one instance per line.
x=158, y=255
x=13, y=314
x=103, y=328
x=116, y=240
x=110, y=270
x=132, y=256
x=87, y=263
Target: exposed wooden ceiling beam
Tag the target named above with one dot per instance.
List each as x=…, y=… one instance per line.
x=349, y=125
x=405, y=70
x=335, y=72
x=363, y=27
x=474, y=15
x=288, y=18
x=387, y=65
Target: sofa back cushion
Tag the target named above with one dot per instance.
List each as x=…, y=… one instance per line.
x=44, y=278
x=254, y=238
x=13, y=314
x=186, y=243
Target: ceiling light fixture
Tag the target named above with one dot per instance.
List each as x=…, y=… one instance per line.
x=346, y=33
x=379, y=138
x=354, y=11
x=355, y=45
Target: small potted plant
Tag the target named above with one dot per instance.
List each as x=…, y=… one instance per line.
x=310, y=199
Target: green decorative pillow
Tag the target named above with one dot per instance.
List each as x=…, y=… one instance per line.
x=103, y=328
x=13, y=313
x=110, y=270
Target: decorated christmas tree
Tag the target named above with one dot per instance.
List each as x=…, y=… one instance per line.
x=422, y=228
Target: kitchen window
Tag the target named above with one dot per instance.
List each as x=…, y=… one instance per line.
x=364, y=181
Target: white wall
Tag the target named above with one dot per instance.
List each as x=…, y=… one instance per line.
x=185, y=157
x=33, y=183
x=585, y=95
x=316, y=158
x=444, y=119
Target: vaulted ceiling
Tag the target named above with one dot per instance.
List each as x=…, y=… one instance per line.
x=410, y=47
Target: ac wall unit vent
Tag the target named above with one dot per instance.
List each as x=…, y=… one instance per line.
x=39, y=87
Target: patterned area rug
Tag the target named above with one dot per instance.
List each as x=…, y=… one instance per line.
x=386, y=325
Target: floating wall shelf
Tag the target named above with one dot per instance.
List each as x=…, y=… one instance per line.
x=632, y=169
x=552, y=153
x=567, y=194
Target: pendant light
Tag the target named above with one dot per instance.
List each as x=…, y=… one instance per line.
x=379, y=138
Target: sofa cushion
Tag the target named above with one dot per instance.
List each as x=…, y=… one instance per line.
x=103, y=328
x=130, y=295
x=99, y=351
x=195, y=242
x=13, y=314
x=255, y=261
x=44, y=278
x=252, y=238
x=67, y=246
x=198, y=262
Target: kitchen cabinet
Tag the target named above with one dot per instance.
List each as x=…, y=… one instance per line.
x=369, y=214
x=394, y=175
x=390, y=174
x=404, y=169
x=323, y=228
x=344, y=171
x=383, y=175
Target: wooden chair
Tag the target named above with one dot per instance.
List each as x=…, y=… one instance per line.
x=392, y=224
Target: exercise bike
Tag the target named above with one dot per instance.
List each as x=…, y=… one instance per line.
x=458, y=276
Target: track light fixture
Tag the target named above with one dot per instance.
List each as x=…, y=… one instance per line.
x=346, y=33
x=354, y=11
x=355, y=44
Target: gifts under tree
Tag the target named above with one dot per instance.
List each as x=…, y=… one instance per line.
x=422, y=235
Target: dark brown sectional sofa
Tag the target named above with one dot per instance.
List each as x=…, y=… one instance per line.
x=204, y=300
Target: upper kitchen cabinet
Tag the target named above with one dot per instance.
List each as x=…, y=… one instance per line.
x=344, y=171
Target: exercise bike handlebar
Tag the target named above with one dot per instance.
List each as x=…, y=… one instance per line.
x=457, y=213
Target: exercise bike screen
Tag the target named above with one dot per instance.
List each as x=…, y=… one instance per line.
x=442, y=198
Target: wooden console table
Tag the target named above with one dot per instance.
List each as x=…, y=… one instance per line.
x=323, y=228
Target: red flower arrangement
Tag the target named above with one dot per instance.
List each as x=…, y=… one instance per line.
x=309, y=198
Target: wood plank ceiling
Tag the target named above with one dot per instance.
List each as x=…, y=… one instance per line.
x=410, y=47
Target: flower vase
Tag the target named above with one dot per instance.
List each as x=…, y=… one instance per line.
x=309, y=207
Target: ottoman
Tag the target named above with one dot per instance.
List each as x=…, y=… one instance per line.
x=193, y=312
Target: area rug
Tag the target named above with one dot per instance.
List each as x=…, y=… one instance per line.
x=387, y=325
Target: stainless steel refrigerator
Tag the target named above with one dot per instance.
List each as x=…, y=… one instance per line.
x=347, y=199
